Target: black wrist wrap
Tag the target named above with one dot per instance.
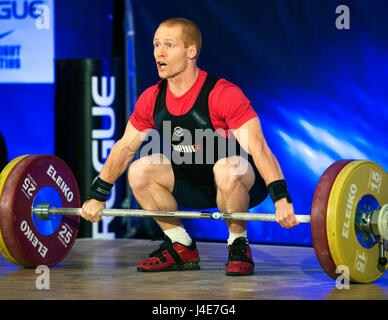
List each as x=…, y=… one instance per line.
x=278, y=190
x=100, y=190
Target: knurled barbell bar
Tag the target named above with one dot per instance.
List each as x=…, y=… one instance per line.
x=40, y=214
x=44, y=210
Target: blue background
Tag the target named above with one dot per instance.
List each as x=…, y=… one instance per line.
x=320, y=92
x=83, y=29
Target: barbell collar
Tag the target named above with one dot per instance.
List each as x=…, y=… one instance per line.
x=41, y=211
x=382, y=221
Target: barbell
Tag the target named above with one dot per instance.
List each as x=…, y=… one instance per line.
x=40, y=215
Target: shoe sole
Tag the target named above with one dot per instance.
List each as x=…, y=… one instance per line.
x=184, y=267
x=238, y=274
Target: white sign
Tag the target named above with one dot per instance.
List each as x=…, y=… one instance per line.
x=27, y=41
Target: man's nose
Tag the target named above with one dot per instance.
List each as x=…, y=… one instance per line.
x=160, y=52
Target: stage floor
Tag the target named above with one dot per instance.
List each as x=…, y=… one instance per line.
x=106, y=269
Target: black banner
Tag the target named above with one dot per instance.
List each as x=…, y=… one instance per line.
x=89, y=119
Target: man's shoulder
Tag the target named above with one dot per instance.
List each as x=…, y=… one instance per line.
x=223, y=83
x=153, y=89
x=149, y=94
x=225, y=89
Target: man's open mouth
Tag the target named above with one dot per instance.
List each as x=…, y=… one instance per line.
x=161, y=64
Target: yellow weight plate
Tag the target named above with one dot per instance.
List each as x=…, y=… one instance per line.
x=3, y=177
x=356, y=180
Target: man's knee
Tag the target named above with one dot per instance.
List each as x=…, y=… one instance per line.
x=232, y=171
x=137, y=174
x=146, y=170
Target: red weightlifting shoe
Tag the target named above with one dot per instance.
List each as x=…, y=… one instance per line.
x=171, y=257
x=240, y=262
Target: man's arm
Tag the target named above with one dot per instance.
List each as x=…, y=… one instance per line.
x=121, y=154
x=117, y=162
x=251, y=138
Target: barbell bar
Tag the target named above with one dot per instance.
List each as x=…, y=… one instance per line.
x=43, y=212
x=372, y=223
x=40, y=214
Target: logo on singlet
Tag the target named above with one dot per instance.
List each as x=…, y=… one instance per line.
x=178, y=131
x=186, y=148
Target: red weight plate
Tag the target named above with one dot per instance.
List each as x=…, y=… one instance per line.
x=22, y=239
x=318, y=217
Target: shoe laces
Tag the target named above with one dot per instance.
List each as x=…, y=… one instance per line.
x=238, y=250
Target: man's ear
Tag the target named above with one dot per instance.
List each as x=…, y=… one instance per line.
x=192, y=51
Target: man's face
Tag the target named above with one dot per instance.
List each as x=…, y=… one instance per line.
x=170, y=53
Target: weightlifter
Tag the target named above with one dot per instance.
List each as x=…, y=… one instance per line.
x=187, y=99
